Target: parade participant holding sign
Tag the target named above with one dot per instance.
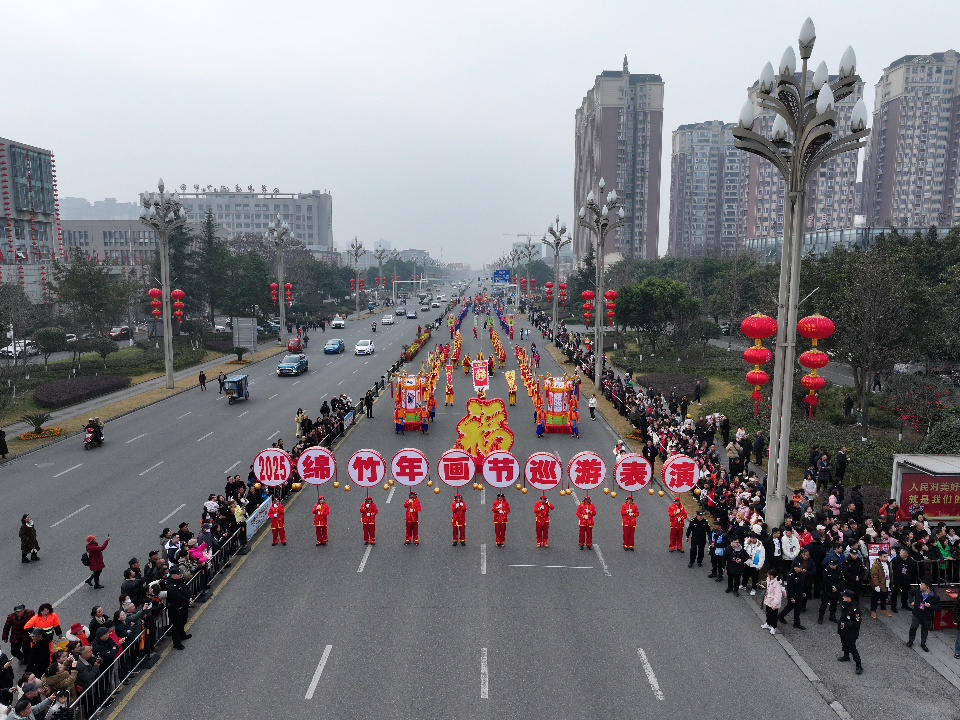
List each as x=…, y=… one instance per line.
x=277, y=522
x=414, y=508
x=368, y=518
x=587, y=512
x=678, y=518
x=459, y=521
x=321, y=513
x=542, y=512
x=629, y=512
x=501, y=515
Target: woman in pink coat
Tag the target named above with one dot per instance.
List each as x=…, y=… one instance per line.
x=772, y=601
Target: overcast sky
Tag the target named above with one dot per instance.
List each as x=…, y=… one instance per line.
x=431, y=123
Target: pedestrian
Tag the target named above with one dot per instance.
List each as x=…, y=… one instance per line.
x=179, y=603
x=736, y=560
x=629, y=512
x=368, y=402
x=28, y=540
x=759, y=445
x=368, y=518
x=278, y=522
x=222, y=381
x=842, y=461
x=904, y=575
x=541, y=511
x=678, y=519
x=4, y=451
x=413, y=507
x=458, y=510
x=926, y=603
x=697, y=532
x=95, y=560
x=773, y=598
x=877, y=385
x=848, y=628
x=203, y=381
x=755, y=560
x=880, y=580
x=14, y=632
x=321, y=515
x=796, y=594
x=587, y=514
x=831, y=590
x=696, y=393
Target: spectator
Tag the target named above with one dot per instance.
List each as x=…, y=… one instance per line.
x=88, y=667
x=95, y=553
x=925, y=605
x=28, y=540
x=774, y=597
x=14, y=632
x=880, y=580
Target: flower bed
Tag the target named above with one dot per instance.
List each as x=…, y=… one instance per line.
x=46, y=433
x=412, y=351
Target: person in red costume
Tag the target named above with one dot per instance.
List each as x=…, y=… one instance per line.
x=501, y=515
x=368, y=518
x=678, y=517
x=459, y=511
x=277, y=522
x=414, y=508
x=629, y=512
x=587, y=512
x=321, y=512
x=542, y=512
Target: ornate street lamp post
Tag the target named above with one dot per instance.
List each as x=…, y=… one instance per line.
x=596, y=219
x=803, y=137
x=558, y=240
x=527, y=253
x=279, y=234
x=356, y=251
x=162, y=212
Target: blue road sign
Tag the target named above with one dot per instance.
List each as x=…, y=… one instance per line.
x=501, y=276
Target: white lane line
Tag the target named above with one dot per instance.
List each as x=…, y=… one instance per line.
x=136, y=438
x=483, y=559
x=273, y=396
x=651, y=678
x=366, y=362
x=205, y=436
x=187, y=413
x=355, y=371
x=330, y=362
x=64, y=472
x=227, y=471
x=323, y=396
x=221, y=397
x=55, y=604
x=603, y=563
x=243, y=413
x=151, y=468
x=483, y=495
x=70, y=516
x=274, y=435
x=295, y=382
x=554, y=567
x=390, y=494
x=318, y=673
x=484, y=675
x=366, y=556
x=340, y=383
x=172, y=514
x=522, y=566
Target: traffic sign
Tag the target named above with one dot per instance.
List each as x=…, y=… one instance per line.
x=502, y=276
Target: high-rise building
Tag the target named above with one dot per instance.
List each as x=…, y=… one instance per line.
x=619, y=137
x=910, y=175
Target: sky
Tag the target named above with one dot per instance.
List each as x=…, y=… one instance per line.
x=444, y=126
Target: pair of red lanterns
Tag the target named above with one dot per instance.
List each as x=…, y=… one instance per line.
x=588, y=297
x=275, y=293
x=563, y=292
x=380, y=282
x=156, y=302
x=759, y=327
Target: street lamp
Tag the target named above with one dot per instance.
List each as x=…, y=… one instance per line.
x=558, y=240
x=381, y=254
x=596, y=219
x=356, y=251
x=528, y=252
x=162, y=212
x=279, y=234
x=802, y=140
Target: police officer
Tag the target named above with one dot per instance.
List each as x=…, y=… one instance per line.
x=853, y=573
x=697, y=532
x=849, y=629
x=832, y=587
x=179, y=603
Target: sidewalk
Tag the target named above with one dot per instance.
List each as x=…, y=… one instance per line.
x=940, y=642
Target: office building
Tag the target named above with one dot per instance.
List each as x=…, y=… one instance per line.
x=74, y=208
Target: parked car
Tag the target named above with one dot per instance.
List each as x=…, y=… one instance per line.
x=293, y=365
x=71, y=338
x=364, y=347
x=411, y=314
x=333, y=346
x=338, y=322
x=120, y=333
x=273, y=329
x=295, y=345
x=20, y=348
x=219, y=328
x=910, y=368
x=387, y=320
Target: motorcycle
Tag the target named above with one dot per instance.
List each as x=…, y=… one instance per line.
x=373, y=327
x=90, y=439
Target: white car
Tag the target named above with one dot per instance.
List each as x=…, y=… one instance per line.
x=364, y=347
x=910, y=368
x=387, y=320
x=19, y=348
x=338, y=322
x=219, y=329
x=435, y=304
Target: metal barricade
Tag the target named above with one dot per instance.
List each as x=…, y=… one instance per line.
x=938, y=572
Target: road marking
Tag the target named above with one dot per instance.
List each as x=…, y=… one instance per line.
x=221, y=397
x=651, y=678
x=64, y=472
x=366, y=362
x=136, y=438
x=70, y=516
x=273, y=396
x=330, y=362
x=564, y=567
x=355, y=371
x=151, y=468
x=340, y=383
x=242, y=414
x=295, y=382
x=274, y=435
x=205, y=436
x=323, y=396
x=606, y=570
x=187, y=413
x=227, y=471
x=390, y=494
x=522, y=566
x=69, y=593
x=484, y=675
x=483, y=495
x=366, y=556
x=483, y=559
x=172, y=514
x=575, y=498
x=318, y=673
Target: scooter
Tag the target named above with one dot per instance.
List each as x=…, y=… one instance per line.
x=91, y=440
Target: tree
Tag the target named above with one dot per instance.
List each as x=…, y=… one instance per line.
x=586, y=277
x=655, y=308
x=212, y=259
x=48, y=341
x=103, y=347
x=920, y=401
x=89, y=290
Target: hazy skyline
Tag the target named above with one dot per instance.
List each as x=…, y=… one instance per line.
x=430, y=123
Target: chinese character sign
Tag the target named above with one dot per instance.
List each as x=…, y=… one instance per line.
x=938, y=494
x=317, y=465
x=455, y=468
x=480, y=379
x=680, y=473
x=501, y=469
x=543, y=471
x=410, y=467
x=272, y=467
x=586, y=470
x=633, y=472
x=367, y=468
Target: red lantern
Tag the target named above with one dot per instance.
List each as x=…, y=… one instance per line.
x=274, y=287
x=816, y=327
x=588, y=295
x=759, y=327
x=611, y=295
x=587, y=306
x=548, y=286
x=813, y=383
x=178, y=306
x=814, y=359
x=757, y=378
x=288, y=287
x=533, y=284
x=178, y=294
x=156, y=314
x=155, y=293
x=757, y=355
x=155, y=304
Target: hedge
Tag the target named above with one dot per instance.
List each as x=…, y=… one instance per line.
x=60, y=393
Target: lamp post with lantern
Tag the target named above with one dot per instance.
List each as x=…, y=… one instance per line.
x=557, y=241
x=279, y=234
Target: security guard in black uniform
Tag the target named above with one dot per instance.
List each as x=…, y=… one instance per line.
x=849, y=629
x=178, y=606
x=697, y=532
x=830, y=592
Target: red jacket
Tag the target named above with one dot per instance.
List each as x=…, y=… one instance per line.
x=629, y=512
x=542, y=511
x=459, y=511
x=501, y=511
x=368, y=513
x=586, y=513
x=96, y=554
x=321, y=511
x=414, y=508
x=678, y=516
x=276, y=516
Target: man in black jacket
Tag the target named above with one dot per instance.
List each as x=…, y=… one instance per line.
x=925, y=605
x=796, y=593
x=830, y=592
x=902, y=576
x=718, y=546
x=849, y=630
x=697, y=532
x=178, y=606
x=853, y=573
x=736, y=561
x=133, y=587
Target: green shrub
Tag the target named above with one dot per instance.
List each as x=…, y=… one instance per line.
x=60, y=393
x=944, y=437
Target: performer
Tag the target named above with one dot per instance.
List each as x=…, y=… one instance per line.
x=368, y=518
x=541, y=422
x=501, y=515
x=491, y=365
x=575, y=419
x=275, y=514
x=413, y=507
x=321, y=511
x=587, y=512
x=459, y=511
x=424, y=421
x=542, y=512
x=432, y=406
x=678, y=518
x=629, y=512
x=513, y=396
x=467, y=362
x=448, y=395
x=399, y=418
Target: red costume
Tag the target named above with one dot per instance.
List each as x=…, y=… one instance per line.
x=501, y=515
x=542, y=512
x=368, y=518
x=277, y=522
x=629, y=512
x=321, y=511
x=586, y=511
x=459, y=511
x=678, y=516
x=414, y=508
